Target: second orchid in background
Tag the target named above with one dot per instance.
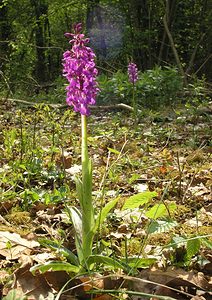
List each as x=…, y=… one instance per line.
x=133, y=72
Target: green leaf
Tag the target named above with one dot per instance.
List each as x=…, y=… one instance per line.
x=35, y=196
x=192, y=248
x=133, y=178
x=161, y=226
x=107, y=261
x=136, y=262
x=14, y=295
x=79, y=189
x=206, y=243
x=104, y=212
x=160, y=210
x=70, y=256
x=113, y=151
x=76, y=218
x=139, y=199
x=176, y=242
x=55, y=266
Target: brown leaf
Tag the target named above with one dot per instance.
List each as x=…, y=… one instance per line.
x=160, y=281
x=68, y=297
x=85, y=284
x=32, y=286
x=5, y=206
x=56, y=279
x=64, y=160
x=12, y=245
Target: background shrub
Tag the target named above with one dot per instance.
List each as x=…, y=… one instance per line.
x=155, y=87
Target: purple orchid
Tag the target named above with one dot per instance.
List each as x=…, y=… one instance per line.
x=133, y=72
x=80, y=71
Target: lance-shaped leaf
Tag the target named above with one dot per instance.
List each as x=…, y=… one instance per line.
x=107, y=261
x=76, y=218
x=56, y=246
x=55, y=266
x=79, y=189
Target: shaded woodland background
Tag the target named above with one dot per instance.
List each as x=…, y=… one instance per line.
x=160, y=166
x=170, y=33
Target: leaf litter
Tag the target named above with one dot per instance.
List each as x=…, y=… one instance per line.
x=172, y=160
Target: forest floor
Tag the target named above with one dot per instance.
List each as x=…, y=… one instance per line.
x=168, y=152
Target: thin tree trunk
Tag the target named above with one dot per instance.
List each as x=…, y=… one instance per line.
x=177, y=58
x=191, y=62
x=5, y=32
x=50, y=63
x=170, y=11
x=40, y=10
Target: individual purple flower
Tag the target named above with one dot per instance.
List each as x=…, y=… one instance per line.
x=133, y=72
x=80, y=71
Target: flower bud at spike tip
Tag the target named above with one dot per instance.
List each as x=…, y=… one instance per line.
x=80, y=71
x=132, y=72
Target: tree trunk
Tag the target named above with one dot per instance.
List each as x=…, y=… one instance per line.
x=5, y=32
x=40, y=9
x=171, y=7
x=168, y=32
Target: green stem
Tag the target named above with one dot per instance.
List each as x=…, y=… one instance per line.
x=135, y=110
x=84, y=142
x=53, y=143
x=34, y=135
x=86, y=203
x=21, y=136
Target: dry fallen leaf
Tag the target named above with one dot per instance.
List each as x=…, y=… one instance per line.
x=5, y=206
x=12, y=245
x=38, y=286
x=158, y=281
x=83, y=284
x=31, y=286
